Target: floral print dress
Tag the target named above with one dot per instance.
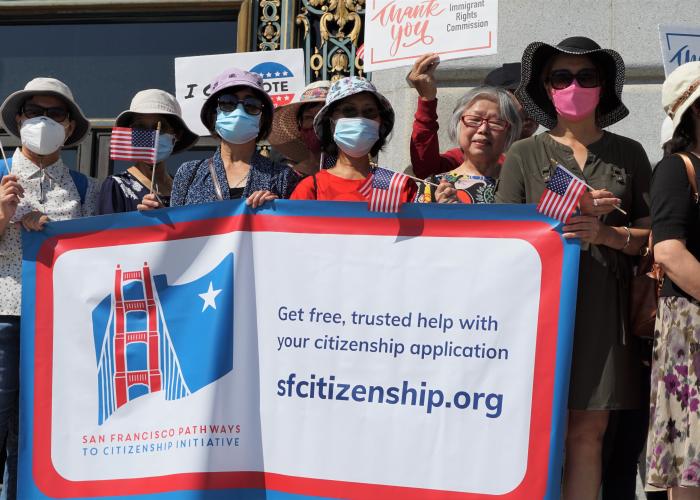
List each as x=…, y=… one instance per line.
x=470, y=188
x=673, y=449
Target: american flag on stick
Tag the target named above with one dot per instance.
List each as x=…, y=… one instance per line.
x=133, y=144
x=383, y=189
x=561, y=195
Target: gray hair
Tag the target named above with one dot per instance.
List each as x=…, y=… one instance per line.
x=508, y=111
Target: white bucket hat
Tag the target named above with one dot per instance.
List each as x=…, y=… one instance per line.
x=680, y=90
x=44, y=86
x=159, y=102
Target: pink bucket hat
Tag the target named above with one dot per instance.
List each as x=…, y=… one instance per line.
x=234, y=77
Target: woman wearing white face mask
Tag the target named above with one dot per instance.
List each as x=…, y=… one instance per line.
x=354, y=125
x=239, y=113
x=124, y=192
x=40, y=188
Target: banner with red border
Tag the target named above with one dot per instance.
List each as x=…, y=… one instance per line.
x=302, y=350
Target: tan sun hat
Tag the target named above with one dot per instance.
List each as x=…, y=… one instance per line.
x=285, y=136
x=680, y=90
x=44, y=86
x=159, y=102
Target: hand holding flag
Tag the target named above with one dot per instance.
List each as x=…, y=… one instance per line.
x=384, y=188
x=561, y=195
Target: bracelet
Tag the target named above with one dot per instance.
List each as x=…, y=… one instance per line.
x=629, y=237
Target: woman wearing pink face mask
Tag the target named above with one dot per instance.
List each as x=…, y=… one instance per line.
x=573, y=89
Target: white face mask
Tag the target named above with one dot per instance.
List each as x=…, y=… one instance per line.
x=42, y=135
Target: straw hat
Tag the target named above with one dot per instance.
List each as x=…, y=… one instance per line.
x=159, y=102
x=285, y=136
x=533, y=96
x=44, y=86
x=680, y=90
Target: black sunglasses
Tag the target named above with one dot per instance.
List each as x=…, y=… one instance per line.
x=251, y=105
x=57, y=114
x=562, y=78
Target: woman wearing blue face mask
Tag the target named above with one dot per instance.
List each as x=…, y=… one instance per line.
x=238, y=112
x=353, y=125
x=131, y=189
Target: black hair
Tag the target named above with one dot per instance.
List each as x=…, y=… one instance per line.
x=329, y=146
x=265, y=118
x=684, y=134
x=302, y=109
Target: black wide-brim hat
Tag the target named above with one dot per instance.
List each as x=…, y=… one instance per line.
x=533, y=96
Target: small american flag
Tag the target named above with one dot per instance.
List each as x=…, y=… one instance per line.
x=383, y=189
x=561, y=195
x=133, y=144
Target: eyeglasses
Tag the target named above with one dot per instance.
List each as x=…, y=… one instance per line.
x=473, y=121
x=562, y=78
x=56, y=114
x=352, y=112
x=251, y=105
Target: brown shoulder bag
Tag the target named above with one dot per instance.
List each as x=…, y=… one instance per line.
x=645, y=287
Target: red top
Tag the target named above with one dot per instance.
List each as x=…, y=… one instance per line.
x=425, y=147
x=330, y=187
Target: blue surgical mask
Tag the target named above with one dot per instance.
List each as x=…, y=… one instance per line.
x=237, y=127
x=166, y=143
x=356, y=136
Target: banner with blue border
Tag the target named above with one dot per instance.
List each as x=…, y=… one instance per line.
x=302, y=350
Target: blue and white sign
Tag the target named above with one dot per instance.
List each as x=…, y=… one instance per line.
x=282, y=72
x=679, y=45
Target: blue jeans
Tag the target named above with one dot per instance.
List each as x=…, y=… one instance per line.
x=9, y=400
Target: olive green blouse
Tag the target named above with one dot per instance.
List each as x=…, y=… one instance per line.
x=605, y=372
x=614, y=162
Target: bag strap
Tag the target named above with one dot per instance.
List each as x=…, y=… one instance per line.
x=315, y=187
x=215, y=180
x=4, y=168
x=692, y=179
x=81, y=183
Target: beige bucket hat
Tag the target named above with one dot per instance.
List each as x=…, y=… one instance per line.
x=159, y=102
x=680, y=90
x=44, y=86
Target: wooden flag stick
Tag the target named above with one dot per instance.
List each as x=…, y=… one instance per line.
x=155, y=159
x=422, y=180
x=555, y=163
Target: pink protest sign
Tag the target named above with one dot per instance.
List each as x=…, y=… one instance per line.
x=399, y=31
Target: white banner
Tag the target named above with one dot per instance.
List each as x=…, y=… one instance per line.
x=398, y=32
x=281, y=70
x=679, y=45
x=310, y=348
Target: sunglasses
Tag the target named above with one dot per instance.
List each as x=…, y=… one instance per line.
x=56, y=114
x=563, y=78
x=473, y=121
x=352, y=112
x=251, y=105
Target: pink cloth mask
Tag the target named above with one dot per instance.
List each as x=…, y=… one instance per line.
x=575, y=103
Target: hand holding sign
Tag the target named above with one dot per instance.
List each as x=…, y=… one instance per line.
x=422, y=76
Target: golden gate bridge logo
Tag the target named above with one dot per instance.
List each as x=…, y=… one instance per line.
x=138, y=353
